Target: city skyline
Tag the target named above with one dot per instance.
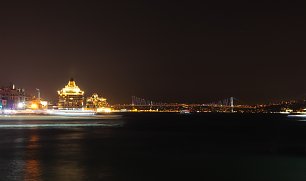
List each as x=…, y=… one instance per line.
x=36, y=94
x=191, y=52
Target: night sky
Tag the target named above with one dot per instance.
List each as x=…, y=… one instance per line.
x=168, y=51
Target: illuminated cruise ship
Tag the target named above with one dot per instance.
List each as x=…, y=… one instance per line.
x=71, y=96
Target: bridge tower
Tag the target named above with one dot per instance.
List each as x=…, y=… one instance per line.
x=232, y=103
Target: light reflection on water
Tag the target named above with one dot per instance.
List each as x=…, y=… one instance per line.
x=32, y=170
x=161, y=147
x=39, y=149
x=61, y=159
x=32, y=167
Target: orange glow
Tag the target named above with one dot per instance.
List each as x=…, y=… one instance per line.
x=32, y=165
x=34, y=106
x=34, y=138
x=32, y=170
x=70, y=89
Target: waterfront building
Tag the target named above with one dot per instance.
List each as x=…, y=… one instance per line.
x=71, y=96
x=12, y=97
x=36, y=104
x=95, y=102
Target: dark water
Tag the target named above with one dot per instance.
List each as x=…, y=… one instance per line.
x=157, y=147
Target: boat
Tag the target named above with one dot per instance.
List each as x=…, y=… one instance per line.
x=298, y=114
x=286, y=111
x=185, y=111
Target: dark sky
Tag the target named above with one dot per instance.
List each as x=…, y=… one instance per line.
x=169, y=51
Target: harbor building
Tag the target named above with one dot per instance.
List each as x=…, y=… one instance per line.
x=12, y=97
x=71, y=96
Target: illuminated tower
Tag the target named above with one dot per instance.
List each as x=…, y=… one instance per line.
x=71, y=96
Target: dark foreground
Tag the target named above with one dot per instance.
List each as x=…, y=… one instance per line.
x=157, y=147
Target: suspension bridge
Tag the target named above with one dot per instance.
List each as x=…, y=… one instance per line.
x=224, y=105
x=227, y=102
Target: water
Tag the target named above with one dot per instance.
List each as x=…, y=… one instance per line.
x=157, y=146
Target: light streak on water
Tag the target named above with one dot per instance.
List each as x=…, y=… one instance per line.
x=297, y=115
x=48, y=117
x=301, y=117
x=301, y=120
x=56, y=125
x=42, y=121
